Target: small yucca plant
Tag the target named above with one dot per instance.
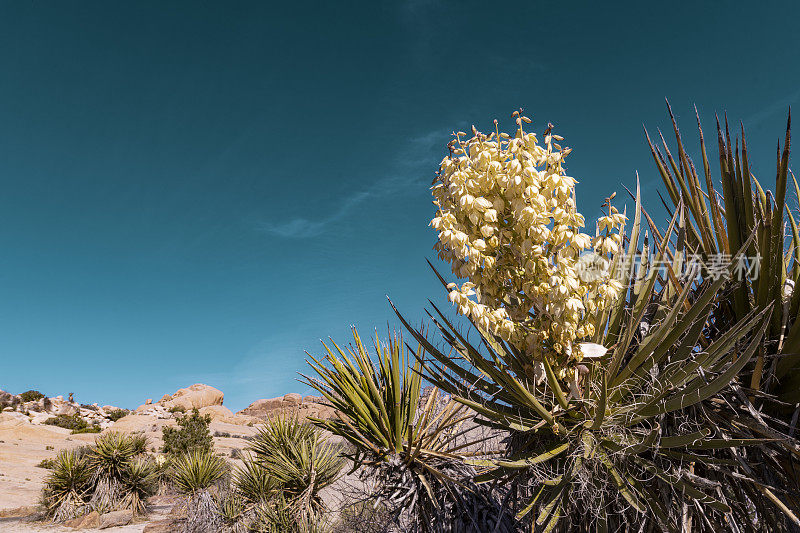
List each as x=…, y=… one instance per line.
x=67, y=486
x=112, y=452
x=281, y=515
x=196, y=471
x=411, y=453
x=296, y=457
x=139, y=482
x=231, y=510
x=252, y=482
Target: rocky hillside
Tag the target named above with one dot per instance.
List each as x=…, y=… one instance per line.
x=207, y=399
x=43, y=409
x=32, y=430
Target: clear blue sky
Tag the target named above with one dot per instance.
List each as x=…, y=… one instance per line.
x=200, y=191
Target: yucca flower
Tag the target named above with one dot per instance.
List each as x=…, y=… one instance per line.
x=507, y=221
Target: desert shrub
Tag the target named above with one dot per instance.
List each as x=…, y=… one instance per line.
x=116, y=414
x=45, y=463
x=74, y=422
x=177, y=409
x=192, y=434
x=31, y=396
x=196, y=470
x=94, y=428
x=67, y=486
x=222, y=434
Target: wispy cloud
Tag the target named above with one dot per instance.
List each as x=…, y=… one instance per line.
x=776, y=107
x=408, y=175
x=303, y=228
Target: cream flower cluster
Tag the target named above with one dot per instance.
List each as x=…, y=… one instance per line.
x=507, y=222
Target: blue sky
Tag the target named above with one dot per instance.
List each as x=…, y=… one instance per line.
x=200, y=191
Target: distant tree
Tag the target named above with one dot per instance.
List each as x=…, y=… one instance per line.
x=31, y=396
x=116, y=414
x=193, y=434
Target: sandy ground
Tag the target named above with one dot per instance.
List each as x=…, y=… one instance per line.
x=23, y=446
x=8, y=525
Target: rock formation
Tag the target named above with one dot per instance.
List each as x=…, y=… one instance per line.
x=290, y=404
x=205, y=398
x=43, y=409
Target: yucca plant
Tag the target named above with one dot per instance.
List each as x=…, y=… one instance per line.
x=408, y=450
x=297, y=458
x=196, y=471
x=67, y=486
x=641, y=440
x=106, y=495
x=252, y=482
x=720, y=217
x=717, y=224
x=278, y=432
x=641, y=427
x=139, y=482
x=231, y=510
x=202, y=514
x=281, y=515
x=112, y=452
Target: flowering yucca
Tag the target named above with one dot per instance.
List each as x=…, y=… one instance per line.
x=508, y=222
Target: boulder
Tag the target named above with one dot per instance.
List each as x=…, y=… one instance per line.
x=45, y=405
x=293, y=398
x=262, y=407
x=87, y=521
x=195, y=397
x=149, y=424
x=217, y=412
x=36, y=406
x=220, y=413
x=25, y=511
x=290, y=404
x=116, y=519
x=68, y=409
x=40, y=418
x=5, y=396
x=11, y=419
